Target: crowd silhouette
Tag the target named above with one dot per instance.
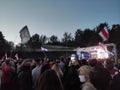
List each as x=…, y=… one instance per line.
x=59, y=74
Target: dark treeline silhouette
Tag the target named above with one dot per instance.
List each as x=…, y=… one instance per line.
x=5, y=46
x=81, y=38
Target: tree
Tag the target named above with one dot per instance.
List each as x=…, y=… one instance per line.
x=114, y=37
x=115, y=34
x=43, y=39
x=54, y=40
x=78, y=37
x=34, y=41
x=89, y=37
x=67, y=39
x=5, y=46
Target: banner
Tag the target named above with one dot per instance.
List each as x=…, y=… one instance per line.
x=104, y=34
x=25, y=35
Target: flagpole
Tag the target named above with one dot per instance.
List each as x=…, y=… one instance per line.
x=44, y=54
x=43, y=50
x=11, y=55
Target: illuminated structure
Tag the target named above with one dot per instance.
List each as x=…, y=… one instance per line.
x=98, y=52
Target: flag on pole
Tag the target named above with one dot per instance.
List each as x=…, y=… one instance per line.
x=16, y=56
x=44, y=49
x=4, y=57
x=25, y=35
x=102, y=46
x=104, y=34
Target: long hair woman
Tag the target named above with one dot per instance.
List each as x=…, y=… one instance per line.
x=50, y=81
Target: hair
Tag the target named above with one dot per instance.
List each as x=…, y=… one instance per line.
x=92, y=62
x=37, y=60
x=7, y=61
x=95, y=63
x=100, y=78
x=71, y=80
x=50, y=81
x=109, y=64
x=84, y=62
x=116, y=82
x=57, y=70
x=62, y=58
x=85, y=70
x=45, y=67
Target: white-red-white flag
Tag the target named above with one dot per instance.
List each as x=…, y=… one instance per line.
x=25, y=35
x=104, y=34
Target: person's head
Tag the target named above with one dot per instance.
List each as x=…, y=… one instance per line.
x=26, y=63
x=109, y=64
x=7, y=61
x=45, y=67
x=85, y=71
x=100, y=78
x=116, y=82
x=95, y=63
x=38, y=60
x=92, y=62
x=50, y=81
x=57, y=70
x=83, y=62
x=71, y=80
x=62, y=58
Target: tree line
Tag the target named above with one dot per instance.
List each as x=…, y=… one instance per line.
x=81, y=38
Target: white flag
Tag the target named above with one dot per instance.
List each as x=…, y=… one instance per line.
x=16, y=56
x=6, y=57
x=104, y=34
x=25, y=35
x=43, y=49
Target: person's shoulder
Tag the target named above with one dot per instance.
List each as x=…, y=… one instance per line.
x=88, y=86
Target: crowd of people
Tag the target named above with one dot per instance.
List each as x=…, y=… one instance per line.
x=59, y=74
